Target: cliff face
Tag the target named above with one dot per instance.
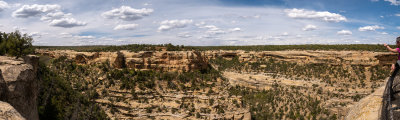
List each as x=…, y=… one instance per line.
x=364, y=58
x=18, y=84
x=190, y=60
x=156, y=60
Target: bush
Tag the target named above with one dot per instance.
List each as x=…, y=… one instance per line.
x=15, y=44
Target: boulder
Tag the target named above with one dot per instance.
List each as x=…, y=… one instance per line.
x=119, y=61
x=19, y=85
x=7, y=112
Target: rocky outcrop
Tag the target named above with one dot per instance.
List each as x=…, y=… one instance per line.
x=7, y=112
x=143, y=60
x=365, y=58
x=18, y=84
x=388, y=58
x=119, y=61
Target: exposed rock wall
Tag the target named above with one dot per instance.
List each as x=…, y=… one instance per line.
x=18, y=84
x=156, y=60
x=194, y=60
x=365, y=58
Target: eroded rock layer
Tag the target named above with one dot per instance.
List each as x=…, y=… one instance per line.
x=18, y=84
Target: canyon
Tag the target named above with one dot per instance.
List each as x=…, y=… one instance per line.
x=332, y=82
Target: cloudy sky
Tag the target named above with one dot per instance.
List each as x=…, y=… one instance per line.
x=203, y=22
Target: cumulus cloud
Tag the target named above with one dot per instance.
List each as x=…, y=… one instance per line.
x=66, y=23
x=309, y=14
x=127, y=13
x=126, y=27
x=393, y=2
x=49, y=13
x=309, y=28
x=370, y=28
x=344, y=32
x=35, y=10
x=173, y=24
x=3, y=5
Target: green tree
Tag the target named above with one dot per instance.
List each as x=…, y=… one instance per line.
x=15, y=44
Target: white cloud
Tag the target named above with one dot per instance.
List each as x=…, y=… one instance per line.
x=344, y=32
x=374, y=0
x=35, y=34
x=66, y=35
x=3, y=5
x=173, y=24
x=285, y=34
x=398, y=14
x=370, y=28
x=184, y=35
x=127, y=13
x=235, y=29
x=19, y=28
x=309, y=14
x=55, y=15
x=213, y=30
x=393, y=2
x=35, y=10
x=126, y=27
x=49, y=13
x=309, y=28
x=383, y=33
x=85, y=37
x=67, y=23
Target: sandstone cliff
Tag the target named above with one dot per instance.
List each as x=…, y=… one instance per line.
x=157, y=60
x=18, y=84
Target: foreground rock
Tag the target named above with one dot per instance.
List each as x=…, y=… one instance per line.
x=18, y=84
x=7, y=112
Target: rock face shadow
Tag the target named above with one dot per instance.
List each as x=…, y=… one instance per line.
x=385, y=113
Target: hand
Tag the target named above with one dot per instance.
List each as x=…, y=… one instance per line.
x=385, y=45
x=393, y=67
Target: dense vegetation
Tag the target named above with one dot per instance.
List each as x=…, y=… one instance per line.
x=282, y=103
x=170, y=47
x=15, y=44
x=58, y=100
x=139, y=84
x=335, y=82
x=327, y=73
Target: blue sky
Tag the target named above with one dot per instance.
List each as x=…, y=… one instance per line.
x=203, y=22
